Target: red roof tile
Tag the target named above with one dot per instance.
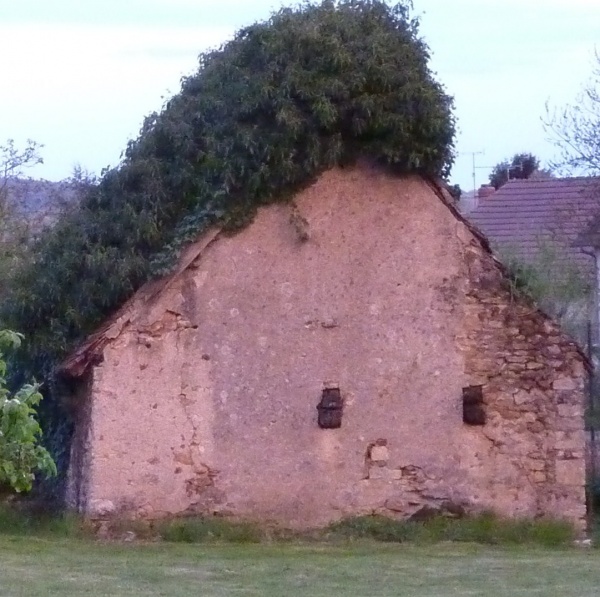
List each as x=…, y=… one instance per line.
x=525, y=215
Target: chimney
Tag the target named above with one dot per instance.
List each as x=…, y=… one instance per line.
x=485, y=190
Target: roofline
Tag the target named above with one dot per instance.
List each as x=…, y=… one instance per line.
x=439, y=187
x=90, y=352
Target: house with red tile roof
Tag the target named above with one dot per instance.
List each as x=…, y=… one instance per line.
x=545, y=220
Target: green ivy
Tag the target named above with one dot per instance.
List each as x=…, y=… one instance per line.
x=315, y=86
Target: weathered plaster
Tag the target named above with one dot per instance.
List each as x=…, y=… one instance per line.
x=205, y=400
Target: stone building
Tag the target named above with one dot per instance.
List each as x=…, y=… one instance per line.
x=370, y=297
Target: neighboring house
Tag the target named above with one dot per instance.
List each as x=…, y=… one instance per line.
x=539, y=222
x=468, y=202
x=355, y=351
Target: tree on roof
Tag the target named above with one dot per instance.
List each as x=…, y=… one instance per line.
x=521, y=165
x=575, y=129
x=314, y=86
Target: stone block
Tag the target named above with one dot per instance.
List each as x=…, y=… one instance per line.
x=535, y=427
x=569, y=424
x=377, y=472
x=380, y=454
x=396, y=505
x=570, y=472
x=564, y=383
x=522, y=397
x=101, y=508
x=533, y=365
x=537, y=465
x=554, y=350
x=570, y=410
x=517, y=359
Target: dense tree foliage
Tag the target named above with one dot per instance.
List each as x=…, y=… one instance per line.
x=314, y=86
x=521, y=165
x=21, y=455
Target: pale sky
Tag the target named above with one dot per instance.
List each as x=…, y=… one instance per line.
x=80, y=75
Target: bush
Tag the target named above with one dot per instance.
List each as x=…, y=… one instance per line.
x=484, y=528
x=20, y=520
x=21, y=455
x=199, y=530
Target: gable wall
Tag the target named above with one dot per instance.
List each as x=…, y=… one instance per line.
x=207, y=401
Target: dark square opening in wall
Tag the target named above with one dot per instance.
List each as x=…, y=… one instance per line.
x=473, y=408
x=330, y=409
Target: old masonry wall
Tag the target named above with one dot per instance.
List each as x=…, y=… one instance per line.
x=205, y=399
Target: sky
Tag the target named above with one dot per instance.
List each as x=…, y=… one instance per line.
x=78, y=76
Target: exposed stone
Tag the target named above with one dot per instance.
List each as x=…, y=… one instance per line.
x=570, y=472
x=379, y=454
x=101, y=508
x=534, y=365
x=535, y=427
x=396, y=505
x=569, y=410
x=564, y=383
x=128, y=537
x=522, y=397
x=447, y=509
x=329, y=323
x=380, y=472
x=537, y=465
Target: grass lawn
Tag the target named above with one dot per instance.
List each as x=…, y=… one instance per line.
x=34, y=567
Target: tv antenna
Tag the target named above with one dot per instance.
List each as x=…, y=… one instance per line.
x=473, y=155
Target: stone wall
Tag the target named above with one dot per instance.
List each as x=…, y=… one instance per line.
x=205, y=399
x=534, y=381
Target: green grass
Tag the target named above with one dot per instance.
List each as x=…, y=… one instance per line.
x=370, y=556
x=484, y=528
x=199, y=530
x=35, y=567
x=14, y=521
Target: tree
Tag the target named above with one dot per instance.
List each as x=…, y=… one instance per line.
x=14, y=226
x=521, y=165
x=575, y=129
x=13, y=161
x=21, y=455
x=315, y=86
x=455, y=191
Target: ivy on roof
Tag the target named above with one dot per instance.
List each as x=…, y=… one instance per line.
x=315, y=86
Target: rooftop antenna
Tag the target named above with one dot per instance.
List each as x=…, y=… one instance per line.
x=473, y=155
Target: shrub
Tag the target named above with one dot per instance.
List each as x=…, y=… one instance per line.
x=21, y=455
x=484, y=528
x=19, y=519
x=198, y=530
